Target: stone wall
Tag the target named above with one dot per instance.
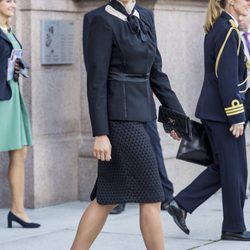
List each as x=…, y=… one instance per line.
x=53, y=94
x=60, y=165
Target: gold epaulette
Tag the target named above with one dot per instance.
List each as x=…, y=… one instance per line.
x=233, y=24
x=235, y=108
x=233, y=27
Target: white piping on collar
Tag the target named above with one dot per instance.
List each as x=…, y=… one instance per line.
x=118, y=14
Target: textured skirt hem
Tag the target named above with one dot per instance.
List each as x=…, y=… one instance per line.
x=149, y=199
x=154, y=200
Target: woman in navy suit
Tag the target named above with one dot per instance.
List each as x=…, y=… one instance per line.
x=220, y=108
x=123, y=67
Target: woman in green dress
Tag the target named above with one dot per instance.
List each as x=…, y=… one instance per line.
x=15, y=130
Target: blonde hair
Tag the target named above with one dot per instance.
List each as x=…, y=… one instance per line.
x=213, y=12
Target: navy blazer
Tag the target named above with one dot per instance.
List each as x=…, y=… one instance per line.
x=123, y=67
x=88, y=17
x=5, y=52
x=225, y=81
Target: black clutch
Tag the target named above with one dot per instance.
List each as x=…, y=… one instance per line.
x=198, y=150
x=173, y=120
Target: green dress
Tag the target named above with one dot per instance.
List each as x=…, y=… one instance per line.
x=15, y=129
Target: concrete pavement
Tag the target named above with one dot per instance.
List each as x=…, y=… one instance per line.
x=121, y=232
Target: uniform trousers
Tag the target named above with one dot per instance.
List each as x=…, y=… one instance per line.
x=229, y=172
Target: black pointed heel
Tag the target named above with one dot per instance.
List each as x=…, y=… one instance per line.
x=11, y=217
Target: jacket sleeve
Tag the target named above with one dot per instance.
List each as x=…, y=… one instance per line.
x=98, y=60
x=160, y=83
x=227, y=72
x=5, y=90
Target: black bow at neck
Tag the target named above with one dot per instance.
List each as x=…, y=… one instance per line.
x=136, y=25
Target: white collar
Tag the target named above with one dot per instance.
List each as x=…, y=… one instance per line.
x=234, y=19
x=128, y=7
x=120, y=15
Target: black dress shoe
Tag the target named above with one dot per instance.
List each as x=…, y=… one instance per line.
x=243, y=236
x=12, y=217
x=179, y=215
x=118, y=209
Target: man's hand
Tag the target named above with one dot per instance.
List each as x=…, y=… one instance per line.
x=237, y=130
x=102, y=148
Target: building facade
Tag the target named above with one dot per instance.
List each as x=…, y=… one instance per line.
x=60, y=166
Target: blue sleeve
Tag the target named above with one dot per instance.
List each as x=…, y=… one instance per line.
x=228, y=80
x=100, y=41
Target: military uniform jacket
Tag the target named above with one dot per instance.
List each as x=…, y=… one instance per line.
x=124, y=66
x=5, y=52
x=225, y=81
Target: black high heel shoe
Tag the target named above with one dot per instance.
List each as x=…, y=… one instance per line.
x=12, y=217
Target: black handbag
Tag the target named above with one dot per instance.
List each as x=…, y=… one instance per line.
x=173, y=120
x=198, y=150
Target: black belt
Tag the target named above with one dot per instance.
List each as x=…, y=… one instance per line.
x=124, y=77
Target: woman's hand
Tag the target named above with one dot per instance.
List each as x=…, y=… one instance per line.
x=16, y=70
x=174, y=135
x=237, y=130
x=102, y=148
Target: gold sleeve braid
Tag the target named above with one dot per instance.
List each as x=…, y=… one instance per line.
x=235, y=109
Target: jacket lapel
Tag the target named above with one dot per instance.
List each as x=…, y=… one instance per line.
x=17, y=41
x=4, y=37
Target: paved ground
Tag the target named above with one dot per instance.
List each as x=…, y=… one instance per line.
x=121, y=232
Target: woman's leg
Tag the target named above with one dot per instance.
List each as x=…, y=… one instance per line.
x=90, y=225
x=151, y=228
x=16, y=176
